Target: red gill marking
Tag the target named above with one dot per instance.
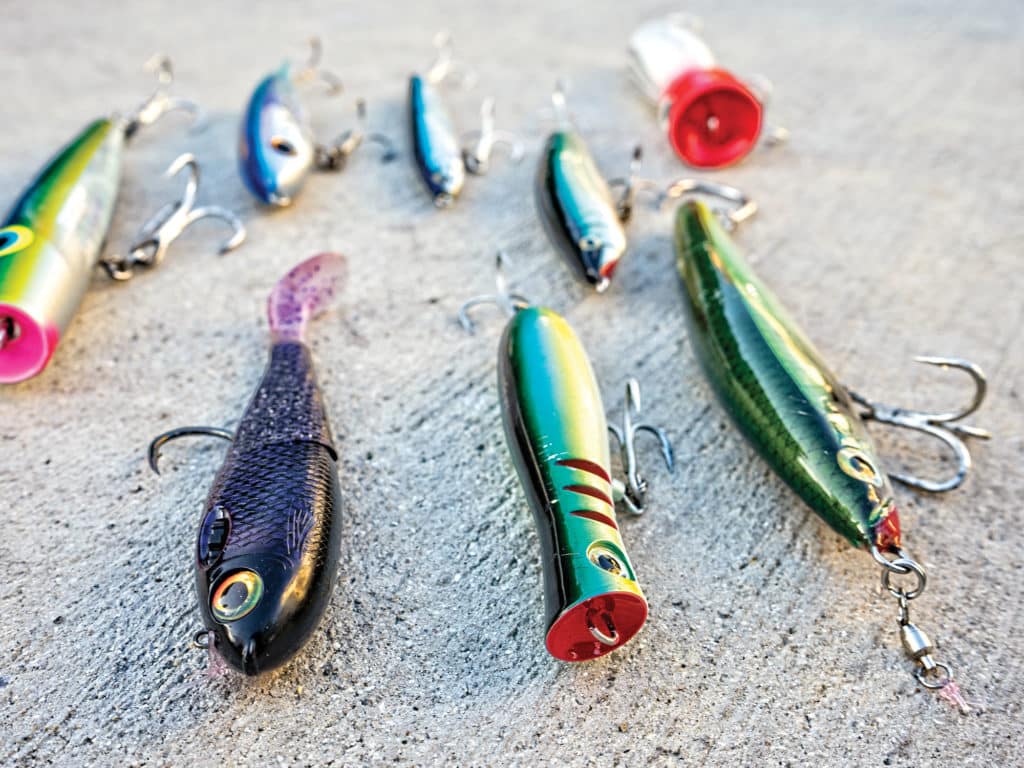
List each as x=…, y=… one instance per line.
x=587, y=466
x=589, y=490
x=598, y=516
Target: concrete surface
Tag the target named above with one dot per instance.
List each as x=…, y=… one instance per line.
x=891, y=225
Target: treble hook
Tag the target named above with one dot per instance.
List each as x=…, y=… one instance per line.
x=632, y=492
x=161, y=440
x=312, y=69
x=938, y=425
x=334, y=156
x=743, y=206
x=160, y=102
x=506, y=300
x=631, y=184
x=445, y=65
x=478, y=158
x=164, y=227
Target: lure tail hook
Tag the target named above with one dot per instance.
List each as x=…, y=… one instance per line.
x=740, y=206
x=478, y=158
x=632, y=184
x=940, y=425
x=632, y=492
x=161, y=440
x=161, y=102
x=334, y=156
x=508, y=301
x=313, y=71
x=167, y=224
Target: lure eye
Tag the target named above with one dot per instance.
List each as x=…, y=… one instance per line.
x=236, y=596
x=854, y=463
x=283, y=146
x=15, y=238
x=606, y=561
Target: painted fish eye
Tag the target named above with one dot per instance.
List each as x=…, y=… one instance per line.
x=606, y=561
x=283, y=146
x=857, y=465
x=590, y=244
x=236, y=596
x=15, y=238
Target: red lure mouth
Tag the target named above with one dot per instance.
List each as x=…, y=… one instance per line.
x=887, y=530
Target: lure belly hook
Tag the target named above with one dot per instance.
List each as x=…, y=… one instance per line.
x=798, y=415
x=556, y=432
x=52, y=238
x=267, y=550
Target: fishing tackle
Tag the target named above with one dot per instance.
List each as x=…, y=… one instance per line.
x=798, y=415
x=556, y=432
x=441, y=161
x=277, y=149
x=267, y=549
x=713, y=119
x=52, y=238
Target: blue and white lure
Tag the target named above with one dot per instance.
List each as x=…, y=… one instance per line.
x=277, y=149
x=440, y=159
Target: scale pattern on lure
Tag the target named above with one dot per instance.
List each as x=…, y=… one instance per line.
x=556, y=431
x=777, y=388
x=276, y=147
x=268, y=543
x=435, y=144
x=577, y=209
x=50, y=243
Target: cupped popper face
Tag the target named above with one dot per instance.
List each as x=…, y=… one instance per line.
x=276, y=147
x=435, y=144
x=577, y=209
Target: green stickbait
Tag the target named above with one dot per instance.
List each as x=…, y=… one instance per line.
x=556, y=432
x=796, y=413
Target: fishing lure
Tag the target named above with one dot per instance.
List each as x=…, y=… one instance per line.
x=277, y=149
x=556, y=432
x=798, y=415
x=267, y=550
x=440, y=160
x=713, y=119
x=52, y=238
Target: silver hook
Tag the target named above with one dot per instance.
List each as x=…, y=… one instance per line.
x=478, y=158
x=743, y=206
x=505, y=299
x=313, y=71
x=632, y=492
x=334, y=156
x=445, y=65
x=167, y=224
x=161, y=440
x=160, y=102
x=558, y=100
x=631, y=184
x=938, y=425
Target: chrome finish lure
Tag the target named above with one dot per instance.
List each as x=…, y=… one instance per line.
x=556, y=432
x=267, y=550
x=52, y=238
x=794, y=410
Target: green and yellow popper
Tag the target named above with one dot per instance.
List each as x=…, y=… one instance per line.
x=558, y=437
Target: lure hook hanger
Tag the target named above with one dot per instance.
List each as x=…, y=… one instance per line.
x=510, y=302
x=939, y=425
x=161, y=440
x=478, y=159
x=167, y=224
x=161, y=102
x=632, y=492
x=334, y=156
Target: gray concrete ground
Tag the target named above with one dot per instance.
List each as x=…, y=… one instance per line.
x=891, y=225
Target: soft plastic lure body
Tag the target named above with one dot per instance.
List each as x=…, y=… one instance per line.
x=50, y=243
x=577, y=209
x=556, y=431
x=777, y=388
x=267, y=549
x=435, y=144
x=276, y=149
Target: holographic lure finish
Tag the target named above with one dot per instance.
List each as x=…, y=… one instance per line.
x=50, y=243
x=276, y=148
x=777, y=388
x=267, y=551
x=576, y=207
x=556, y=431
x=435, y=145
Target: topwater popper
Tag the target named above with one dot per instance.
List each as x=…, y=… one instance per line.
x=267, y=550
x=556, y=432
x=712, y=118
x=798, y=415
x=440, y=159
x=53, y=237
x=277, y=149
